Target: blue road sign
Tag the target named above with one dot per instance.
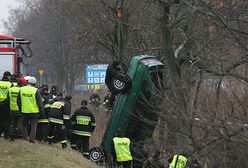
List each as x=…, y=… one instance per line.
x=95, y=74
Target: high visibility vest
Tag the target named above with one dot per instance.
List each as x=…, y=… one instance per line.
x=28, y=99
x=181, y=163
x=13, y=94
x=122, y=149
x=4, y=88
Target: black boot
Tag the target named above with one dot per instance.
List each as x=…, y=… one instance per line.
x=64, y=145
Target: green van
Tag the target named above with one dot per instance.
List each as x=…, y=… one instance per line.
x=135, y=111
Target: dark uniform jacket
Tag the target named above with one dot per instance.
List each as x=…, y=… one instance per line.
x=46, y=104
x=106, y=101
x=59, y=112
x=83, y=122
x=111, y=72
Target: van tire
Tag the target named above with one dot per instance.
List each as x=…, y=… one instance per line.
x=121, y=83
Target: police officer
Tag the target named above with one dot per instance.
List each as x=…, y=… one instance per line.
x=58, y=116
x=15, y=114
x=178, y=161
x=30, y=104
x=5, y=84
x=83, y=125
x=121, y=150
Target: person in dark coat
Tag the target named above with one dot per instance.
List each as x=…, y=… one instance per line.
x=83, y=125
x=58, y=116
x=112, y=71
x=95, y=100
x=42, y=127
x=106, y=104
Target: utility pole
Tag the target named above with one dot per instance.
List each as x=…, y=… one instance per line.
x=119, y=15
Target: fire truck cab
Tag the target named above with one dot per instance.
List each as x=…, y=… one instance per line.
x=12, y=51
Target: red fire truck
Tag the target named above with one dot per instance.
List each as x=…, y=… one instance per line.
x=12, y=52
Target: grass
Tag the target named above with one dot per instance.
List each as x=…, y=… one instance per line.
x=22, y=154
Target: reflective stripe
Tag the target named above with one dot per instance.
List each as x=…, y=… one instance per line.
x=43, y=121
x=47, y=105
x=83, y=117
x=86, y=153
x=83, y=133
x=64, y=141
x=50, y=137
x=57, y=105
x=66, y=117
x=55, y=120
x=93, y=124
x=73, y=145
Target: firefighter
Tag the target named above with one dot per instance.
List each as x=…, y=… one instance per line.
x=121, y=150
x=53, y=91
x=58, y=116
x=30, y=104
x=67, y=120
x=42, y=127
x=5, y=84
x=95, y=100
x=113, y=70
x=107, y=104
x=15, y=114
x=83, y=125
x=179, y=161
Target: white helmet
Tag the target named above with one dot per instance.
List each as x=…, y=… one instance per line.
x=27, y=77
x=32, y=80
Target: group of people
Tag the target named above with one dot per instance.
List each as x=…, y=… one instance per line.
x=42, y=114
x=38, y=114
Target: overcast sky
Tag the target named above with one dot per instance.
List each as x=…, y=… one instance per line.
x=5, y=6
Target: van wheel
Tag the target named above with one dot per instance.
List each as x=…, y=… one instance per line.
x=96, y=154
x=121, y=83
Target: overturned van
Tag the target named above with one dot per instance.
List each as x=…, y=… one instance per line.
x=135, y=112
